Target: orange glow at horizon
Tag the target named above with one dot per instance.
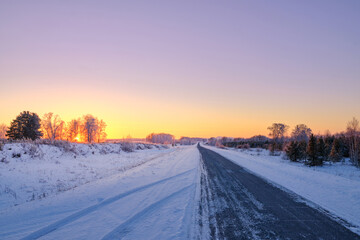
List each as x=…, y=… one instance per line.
x=138, y=114
x=193, y=119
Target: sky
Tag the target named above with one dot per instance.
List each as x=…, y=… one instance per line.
x=189, y=68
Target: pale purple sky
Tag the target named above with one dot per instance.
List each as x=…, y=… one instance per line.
x=252, y=62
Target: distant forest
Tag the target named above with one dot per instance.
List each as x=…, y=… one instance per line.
x=302, y=144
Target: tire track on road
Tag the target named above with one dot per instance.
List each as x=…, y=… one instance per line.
x=124, y=228
x=75, y=216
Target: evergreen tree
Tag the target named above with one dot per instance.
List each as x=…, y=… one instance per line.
x=328, y=144
x=322, y=149
x=344, y=148
x=14, y=131
x=25, y=126
x=335, y=154
x=302, y=148
x=312, y=152
x=292, y=150
x=296, y=150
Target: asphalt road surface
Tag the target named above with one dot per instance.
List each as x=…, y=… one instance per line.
x=236, y=204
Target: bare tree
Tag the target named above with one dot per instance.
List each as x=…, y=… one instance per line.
x=278, y=131
x=101, y=134
x=52, y=126
x=89, y=128
x=301, y=133
x=352, y=132
x=73, y=130
x=3, y=129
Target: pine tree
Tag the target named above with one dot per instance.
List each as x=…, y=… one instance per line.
x=335, y=154
x=321, y=150
x=312, y=152
x=25, y=126
x=295, y=150
x=328, y=144
x=14, y=131
x=292, y=151
x=302, y=148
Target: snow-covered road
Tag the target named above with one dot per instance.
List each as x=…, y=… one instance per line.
x=153, y=201
x=175, y=193
x=242, y=205
x=334, y=190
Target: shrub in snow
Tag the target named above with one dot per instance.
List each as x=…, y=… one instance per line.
x=244, y=146
x=140, y=147
x=16, y=155
x=34, y=151
x=31, y=148
x=127, y=146
x=103, y=151
x=274, y=149
x=65, y=146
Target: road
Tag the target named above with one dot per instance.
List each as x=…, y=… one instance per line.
x=186, y=193
x=236, y=204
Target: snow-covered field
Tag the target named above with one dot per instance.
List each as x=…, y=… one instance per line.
x=154, y=200
x=336, y=187
x=102, y=192
x=29, y=172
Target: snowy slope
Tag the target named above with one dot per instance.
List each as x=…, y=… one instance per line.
x=29, y=172
x=335, y=188
x=155, y=200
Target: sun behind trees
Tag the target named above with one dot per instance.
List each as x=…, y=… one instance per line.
x=86, y=129
x=29, y=126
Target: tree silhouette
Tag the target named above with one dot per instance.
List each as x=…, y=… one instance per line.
x=25, y=126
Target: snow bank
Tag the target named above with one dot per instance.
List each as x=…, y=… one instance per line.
x=336, y=188
x=155, y=200
x=30, y=171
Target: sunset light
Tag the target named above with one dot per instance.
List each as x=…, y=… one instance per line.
x=180, y=119
x=240, y=69
x=77, y=139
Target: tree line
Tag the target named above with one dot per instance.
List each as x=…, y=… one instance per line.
x=28, y=125
x=314, y=150
x=161, y=138
x=302, y=145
